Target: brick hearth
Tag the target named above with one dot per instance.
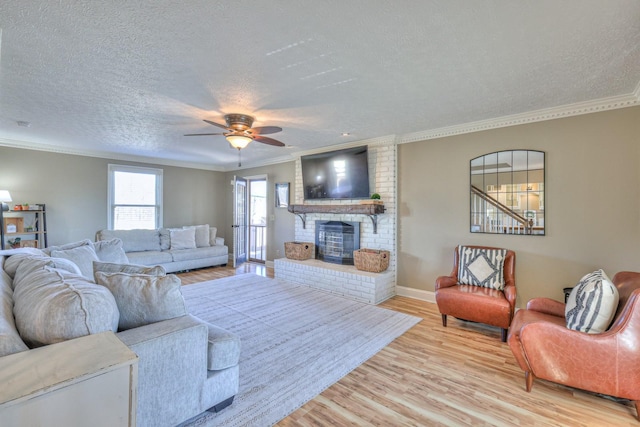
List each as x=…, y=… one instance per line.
x=343, y=280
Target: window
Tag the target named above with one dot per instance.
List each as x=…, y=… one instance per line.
x=135, y=197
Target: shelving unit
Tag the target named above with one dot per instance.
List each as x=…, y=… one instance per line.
x=20, y=221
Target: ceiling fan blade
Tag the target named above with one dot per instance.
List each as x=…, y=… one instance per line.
x=216, y=124
x=267, y=140
x=200, y=134
x=266, y=130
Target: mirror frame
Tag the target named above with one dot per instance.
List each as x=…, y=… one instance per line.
x=507, y=193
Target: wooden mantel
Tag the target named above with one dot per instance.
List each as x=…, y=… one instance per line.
x=371, y=210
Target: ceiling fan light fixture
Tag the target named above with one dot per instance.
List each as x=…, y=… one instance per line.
x=238, y=141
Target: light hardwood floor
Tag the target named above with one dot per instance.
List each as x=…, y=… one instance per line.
x=435, y=376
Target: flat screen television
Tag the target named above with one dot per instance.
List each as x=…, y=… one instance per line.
x=340, y=174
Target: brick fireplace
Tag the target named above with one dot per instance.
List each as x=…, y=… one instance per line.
x=343, y=279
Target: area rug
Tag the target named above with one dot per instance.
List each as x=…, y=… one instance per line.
x=296, y=342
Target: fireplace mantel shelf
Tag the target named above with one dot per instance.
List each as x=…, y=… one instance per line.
x=371, y=210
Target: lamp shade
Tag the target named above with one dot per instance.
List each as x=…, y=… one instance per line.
x=5, y=196
x=238, y=141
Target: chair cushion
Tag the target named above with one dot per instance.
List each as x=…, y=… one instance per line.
x=481, y=267
x=470, y=302
x=592, y=304
x=143, y=299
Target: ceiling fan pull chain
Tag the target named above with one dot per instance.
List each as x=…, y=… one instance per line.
x=239, y=158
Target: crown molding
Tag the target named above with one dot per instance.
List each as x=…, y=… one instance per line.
x=27, y=145
x=382, y=140
x=569, y=110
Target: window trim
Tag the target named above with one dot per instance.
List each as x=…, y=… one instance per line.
x=134, y=169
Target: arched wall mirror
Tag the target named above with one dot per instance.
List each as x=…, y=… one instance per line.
x=507, y=193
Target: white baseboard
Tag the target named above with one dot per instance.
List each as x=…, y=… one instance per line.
x=427, y=296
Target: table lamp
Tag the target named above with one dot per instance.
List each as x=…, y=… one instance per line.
x=5, y=197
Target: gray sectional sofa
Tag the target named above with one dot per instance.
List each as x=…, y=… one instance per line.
x=182, y=252
x=186, y=365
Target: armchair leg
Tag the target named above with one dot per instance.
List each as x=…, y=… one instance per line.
x=504, y=335
x=637, y=403
x=528, y=379
x=444, y=320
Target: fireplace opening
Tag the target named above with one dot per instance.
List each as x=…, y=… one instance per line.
x=336, y=241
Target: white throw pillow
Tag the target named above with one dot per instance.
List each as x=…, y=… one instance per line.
x=143, y=299
x=592, y=304
x=111, y=251
x=202, y=235
x=183, y=238
x=82, y=256
x=213, y=231
x=110, y=267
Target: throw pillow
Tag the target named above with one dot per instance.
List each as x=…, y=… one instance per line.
x=109, y=267
x=202, y=235
x=592, y=304
x=213, y=231
x=22, y=264
x=82, y=256
x=143, y=299
x=52, y=305
x=111, y=251
x=64, y=247
x=481, y=267
x=183, y=238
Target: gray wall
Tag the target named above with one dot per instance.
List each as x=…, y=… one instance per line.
x=281, y=228
x=74, y=188
x=592, y=202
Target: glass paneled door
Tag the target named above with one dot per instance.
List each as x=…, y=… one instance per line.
x=258, y=220
x=239, y=221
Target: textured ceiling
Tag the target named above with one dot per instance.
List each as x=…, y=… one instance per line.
x=130, y=78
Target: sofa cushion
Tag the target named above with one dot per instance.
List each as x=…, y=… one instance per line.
x=10, y=341
x=10, y=266
x=111, y=250
x=481, y=267
x=183, y=238
x=202, y=235
x=52, y=305
x=110, y=267
x=223, y=348
x=592, y=304
x=198, y=253
x=133, y=240
x=149, y=257
x=143, y=299
x=82, y=256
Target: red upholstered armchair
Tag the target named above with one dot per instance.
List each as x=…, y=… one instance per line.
x=605, y=363
x=478, y=303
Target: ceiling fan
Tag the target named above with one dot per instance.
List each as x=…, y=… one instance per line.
x=239, y=132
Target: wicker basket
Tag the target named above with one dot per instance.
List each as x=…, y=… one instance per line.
x=371, y=260
x=299, y=250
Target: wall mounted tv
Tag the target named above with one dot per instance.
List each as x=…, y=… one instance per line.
x=340, y=174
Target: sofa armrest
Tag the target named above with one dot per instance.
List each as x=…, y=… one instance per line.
x=172, y=368
x=546, y=306
x=219, y=241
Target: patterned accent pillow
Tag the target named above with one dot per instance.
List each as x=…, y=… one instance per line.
x=481, y=267
x=592, y=304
